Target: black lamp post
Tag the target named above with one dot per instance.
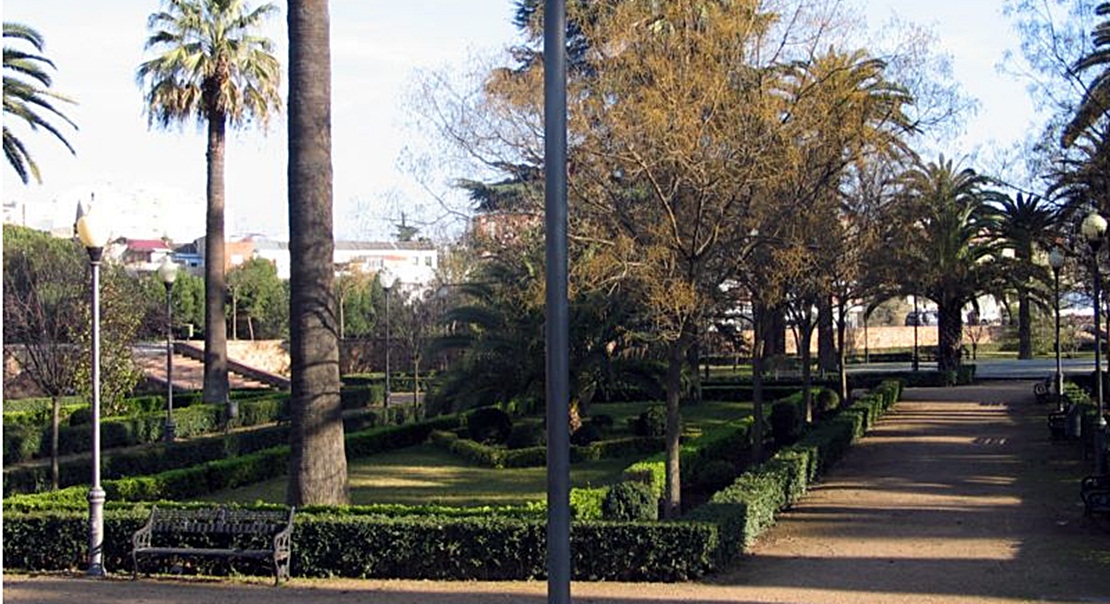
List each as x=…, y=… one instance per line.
x=916, y=322
x=167, y=272
x=387, y=279
x=94, y=237
x=1056, y=261
x=1094, y=229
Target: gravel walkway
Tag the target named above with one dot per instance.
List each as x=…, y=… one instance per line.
x=958, y=496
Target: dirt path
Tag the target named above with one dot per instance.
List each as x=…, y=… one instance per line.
x=958, y=496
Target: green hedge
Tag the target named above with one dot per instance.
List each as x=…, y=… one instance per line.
x=531, y=457
x=198, y=480
x=338, y=545
x=720, y=442
x=747, y=507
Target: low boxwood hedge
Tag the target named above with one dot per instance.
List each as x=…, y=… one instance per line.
x=721, y=442
x=430, y=547
x=747, y=507
x=531, y=457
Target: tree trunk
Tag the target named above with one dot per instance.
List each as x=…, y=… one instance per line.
x=842, y=354
x=1025, y=326
x=215, y=283
x=758, y=350
x=949, y=334
x=317, y=461
x=676, y=358
x=55, y=420
x=805, y=328
x=693, y=363
x=826, y=340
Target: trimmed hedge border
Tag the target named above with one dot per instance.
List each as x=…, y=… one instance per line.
x=351, y=542
x=184, y=483
x=746, y=508
x=532, y=457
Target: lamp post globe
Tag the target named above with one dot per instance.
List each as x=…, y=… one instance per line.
x=167, y=273
x=94, y=236
x=388, y=280
x=1093, y=229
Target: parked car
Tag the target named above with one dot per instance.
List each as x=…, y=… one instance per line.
x=921, y=317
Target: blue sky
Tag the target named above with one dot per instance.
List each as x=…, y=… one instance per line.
x=97, y=45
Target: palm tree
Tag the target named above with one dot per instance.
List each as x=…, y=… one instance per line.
x=317, y=463
x=27, y=96
x=1026, y=223
x=211, y=65
x=1096, y=101
x=941, y=247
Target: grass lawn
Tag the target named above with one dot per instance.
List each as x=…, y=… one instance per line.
x=426, y=474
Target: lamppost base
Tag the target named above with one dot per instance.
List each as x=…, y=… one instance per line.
x=169, y=431
x=1100, y=448
x=96, y=532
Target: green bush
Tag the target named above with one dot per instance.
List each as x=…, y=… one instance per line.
x=423, y=547
x=489, y=425
x=652, y=422
x=825, y=402
x=630, y=501
x=715, y=475
x=526, y=435
x=603, y=422
x=585, y=504
x=786, y=423
x=585, y=435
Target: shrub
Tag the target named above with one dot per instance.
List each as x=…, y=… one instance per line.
x=825, y=402
x=603, y=422
x=585, y=435
x=786, y=423
x=630, y=500
x=527, y=435
x=585, y=504
x=715, y=475
x=652, y=422
x=489, y=425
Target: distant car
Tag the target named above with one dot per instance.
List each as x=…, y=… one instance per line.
x=921, y=317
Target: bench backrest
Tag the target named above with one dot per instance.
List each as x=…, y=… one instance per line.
x=221, y=520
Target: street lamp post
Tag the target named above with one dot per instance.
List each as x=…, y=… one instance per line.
x=1056, y=261
x=94, y=237
x=387, y=279
x=916, y=322
x=167, y=272
x=1094, y=229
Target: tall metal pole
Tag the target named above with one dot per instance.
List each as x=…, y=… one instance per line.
x=170, y=429
x=387, y=388
x=916, y=322
x=1100, y=429
x=96, y=493
x=1056, y=307
x=558, y=314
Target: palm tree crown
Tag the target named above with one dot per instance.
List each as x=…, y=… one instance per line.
x=212, y=64
x=27, y=96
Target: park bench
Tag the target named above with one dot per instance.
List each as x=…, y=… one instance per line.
x=264, y=535
x=1066, y=424
x=1095, y=491
x=1042, y=389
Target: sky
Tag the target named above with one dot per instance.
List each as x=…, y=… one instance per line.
x=376, y=46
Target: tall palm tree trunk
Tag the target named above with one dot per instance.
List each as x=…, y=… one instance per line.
x=1025, y=326
x=215, y=282
x=317, y=463
x=949, y=332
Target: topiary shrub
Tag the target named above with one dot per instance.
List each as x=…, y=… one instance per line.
x=786, y=424
x=489, y=425
x=524, y=436
x=715, y=475
x=826, y=402
x=652, y=422
x=604, y=423
x=630, y=501
x=585, y=435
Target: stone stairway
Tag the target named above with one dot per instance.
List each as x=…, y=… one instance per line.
x=188, y=374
